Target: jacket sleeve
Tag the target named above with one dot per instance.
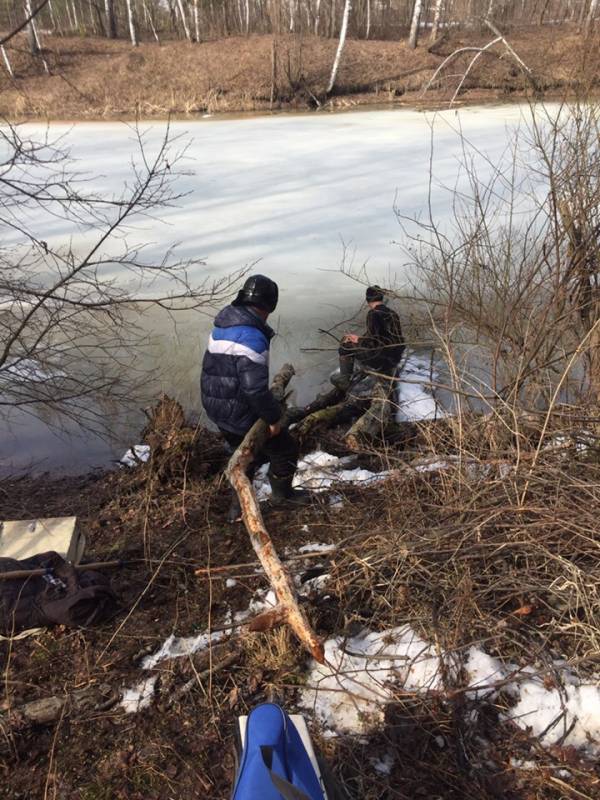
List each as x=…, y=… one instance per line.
x=254, y=385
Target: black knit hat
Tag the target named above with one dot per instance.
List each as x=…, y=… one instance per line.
x=374, y=294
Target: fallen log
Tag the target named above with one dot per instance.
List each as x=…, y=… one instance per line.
x=95, y=698
x=374, y=420
x=278, y=575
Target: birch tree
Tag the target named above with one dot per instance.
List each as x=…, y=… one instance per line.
x=34, y=40
x=414, y=27
x=131, y=19
x=591, y=15
x=437, y=16
x=368, y=29
x=184, y=21
x=340, y=47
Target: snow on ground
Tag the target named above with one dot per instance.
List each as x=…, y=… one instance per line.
x=317, y=472
x=140, y=696
x=349, y=692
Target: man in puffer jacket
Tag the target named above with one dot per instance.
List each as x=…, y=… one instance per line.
x=235, y=386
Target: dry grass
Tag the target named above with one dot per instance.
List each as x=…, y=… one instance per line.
x=506, y=560
x=100, y=79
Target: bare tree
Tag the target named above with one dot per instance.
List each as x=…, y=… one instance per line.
x=70, y=330
x=591, y=16
x=184, y=22
x=414, y=26
x=340, y=47
x=131, y=20
x=437, y=16
x=111, y=20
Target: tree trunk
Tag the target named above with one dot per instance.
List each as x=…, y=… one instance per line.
x=186, y=28
x=75, y=17
x=340, y=47
x=590, y=17
x=317, y=17
x=247, y=20
x=7, y=64
x=196, y=22
x=368, y=30
x=437, y=16
x=111, y=21
x=414, y=27
x=132, y=30
x=32, y=35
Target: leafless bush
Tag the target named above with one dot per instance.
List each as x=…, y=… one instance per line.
x=72, y=311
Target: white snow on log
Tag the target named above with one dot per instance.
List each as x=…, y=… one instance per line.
x=138, y=453
x=140, y=696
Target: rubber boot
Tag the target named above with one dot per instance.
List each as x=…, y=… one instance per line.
x=341, y=379
x=234, y=512
x=282, y=493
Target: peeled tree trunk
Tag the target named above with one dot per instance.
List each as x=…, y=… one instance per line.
x=288, y=609
x=414, y=27
x=340, y=47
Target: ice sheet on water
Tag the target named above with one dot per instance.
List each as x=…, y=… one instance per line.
x=27, y=369
x=415, y=399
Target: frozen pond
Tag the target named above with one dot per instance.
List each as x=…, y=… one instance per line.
x=293, y=195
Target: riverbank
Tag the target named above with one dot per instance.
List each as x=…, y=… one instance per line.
x=99, y=79
x=456, y=596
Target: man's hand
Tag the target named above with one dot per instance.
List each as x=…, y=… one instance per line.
x=275, y=429
x=351, y=337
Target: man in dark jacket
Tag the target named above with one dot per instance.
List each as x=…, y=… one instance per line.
x=235, y=386
x=379, y=349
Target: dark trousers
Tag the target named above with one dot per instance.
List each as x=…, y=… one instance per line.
x=369, y=359
x=281, y=451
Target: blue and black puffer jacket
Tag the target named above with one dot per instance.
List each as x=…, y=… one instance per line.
x=235, y=372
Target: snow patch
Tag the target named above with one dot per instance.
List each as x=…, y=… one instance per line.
x=139, y=452
x=349, y=692
x=317, y=547
x=140, y=696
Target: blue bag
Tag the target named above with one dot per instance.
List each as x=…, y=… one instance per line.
x=274, y=763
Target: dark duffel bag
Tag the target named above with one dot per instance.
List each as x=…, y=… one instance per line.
x=61, y=596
